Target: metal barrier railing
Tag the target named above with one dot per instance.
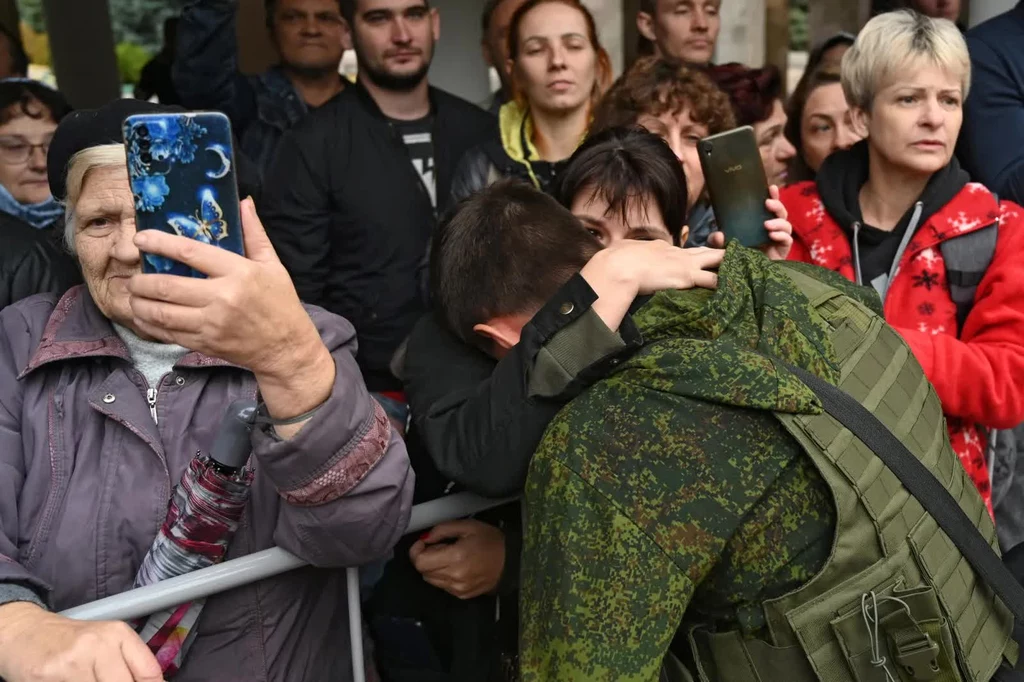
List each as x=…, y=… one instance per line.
x=147, y=600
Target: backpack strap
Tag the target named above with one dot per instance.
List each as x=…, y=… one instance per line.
x=922, y=484
x=967, y=258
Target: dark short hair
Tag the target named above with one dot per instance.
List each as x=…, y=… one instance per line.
x=752, y=92
x=817, y=54
x=627, y=167
x=506, y=249
x=809, y=82
x=19, y=58
x=22, y=97
x=485, y=17
x=654, y=86
x=270, y=6
x=348, y=9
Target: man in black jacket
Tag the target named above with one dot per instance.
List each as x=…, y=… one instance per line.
x=350, y=201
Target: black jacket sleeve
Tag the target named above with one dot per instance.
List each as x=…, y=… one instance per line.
x=40, y=269
x=296, y=211
x=205, y=70
x=479, y=419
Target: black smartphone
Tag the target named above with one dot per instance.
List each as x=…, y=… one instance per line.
x=182, y=172
x=737, y=185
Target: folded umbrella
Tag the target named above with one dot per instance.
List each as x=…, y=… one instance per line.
x=202, y=517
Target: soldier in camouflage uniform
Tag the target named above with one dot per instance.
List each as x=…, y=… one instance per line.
x=669, y=491
x=673, y=496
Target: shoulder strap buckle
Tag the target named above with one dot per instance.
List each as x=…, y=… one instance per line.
x=918, y=656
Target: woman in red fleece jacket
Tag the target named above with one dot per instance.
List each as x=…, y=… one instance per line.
x=879, y=213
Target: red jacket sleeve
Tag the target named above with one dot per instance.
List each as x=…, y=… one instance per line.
x=794, y=201
x=980, y=376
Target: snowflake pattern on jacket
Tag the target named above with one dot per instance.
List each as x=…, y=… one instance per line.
x=980, y=376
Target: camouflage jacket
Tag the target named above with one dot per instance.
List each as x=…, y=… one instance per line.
x=668, y=493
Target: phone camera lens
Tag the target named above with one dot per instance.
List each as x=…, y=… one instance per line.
x=142, y=131
x=144, y=143
x=707, y=148
x=146, y=157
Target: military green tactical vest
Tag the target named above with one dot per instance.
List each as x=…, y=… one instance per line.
x=895, y=602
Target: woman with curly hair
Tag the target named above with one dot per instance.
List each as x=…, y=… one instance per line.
x=682, y=105
x=678, y=103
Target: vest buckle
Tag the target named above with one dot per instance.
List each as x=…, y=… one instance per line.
x=919, y=658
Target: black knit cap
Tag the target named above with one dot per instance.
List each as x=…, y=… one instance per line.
x=90, y=128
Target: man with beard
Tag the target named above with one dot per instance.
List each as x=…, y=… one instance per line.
x=310, y=36
x=350, y=200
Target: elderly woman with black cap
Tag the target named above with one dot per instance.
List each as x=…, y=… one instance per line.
x=107, y=394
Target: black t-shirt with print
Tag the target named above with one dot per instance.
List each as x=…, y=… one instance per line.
x=419, y=140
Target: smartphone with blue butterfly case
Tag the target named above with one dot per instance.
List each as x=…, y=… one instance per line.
x=182, y=172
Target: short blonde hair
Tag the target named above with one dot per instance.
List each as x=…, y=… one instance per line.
x=889, y=42
x=79, y=167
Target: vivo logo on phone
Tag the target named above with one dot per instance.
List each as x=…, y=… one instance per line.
x=733, y=169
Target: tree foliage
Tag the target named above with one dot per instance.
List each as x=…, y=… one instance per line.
x=130, y=60
x=31, y=12
x=799, y=38
x=139, y=22
x=37, y=44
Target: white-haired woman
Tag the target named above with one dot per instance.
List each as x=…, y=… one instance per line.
x=896, y=212
x=107, y=394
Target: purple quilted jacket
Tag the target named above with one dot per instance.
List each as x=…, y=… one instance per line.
x=86, y=474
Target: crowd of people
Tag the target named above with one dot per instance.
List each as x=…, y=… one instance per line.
x=531, y=298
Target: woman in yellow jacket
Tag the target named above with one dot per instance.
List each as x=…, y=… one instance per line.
x=558, y=71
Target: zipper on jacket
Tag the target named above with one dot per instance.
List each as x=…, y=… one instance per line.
x=151, y=401
x=856, y=253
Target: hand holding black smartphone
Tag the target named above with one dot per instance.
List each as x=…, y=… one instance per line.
x=182, y=172
x=737, y=185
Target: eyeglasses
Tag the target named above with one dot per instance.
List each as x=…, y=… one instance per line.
x=16, y=150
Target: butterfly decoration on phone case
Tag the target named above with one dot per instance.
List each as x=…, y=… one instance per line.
x=206, y=225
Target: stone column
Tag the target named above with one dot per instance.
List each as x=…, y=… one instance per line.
x=458, y=65
x=777, y=37
x=743, y=37
x=9, y=15
x=82, y=49
x=825, y=19
x=610, y=18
